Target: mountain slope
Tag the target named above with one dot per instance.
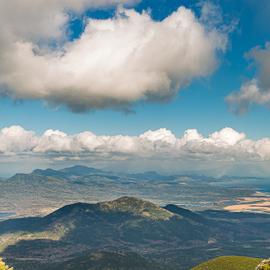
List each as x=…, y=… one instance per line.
x=170, y=236
x=137, y=207
x=229, y=263
x=185, y=213
x=126, y=224
x=104, y=260
x=68, y=173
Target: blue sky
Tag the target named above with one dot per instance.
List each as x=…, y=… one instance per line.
x=201, y=105
x=154, y=77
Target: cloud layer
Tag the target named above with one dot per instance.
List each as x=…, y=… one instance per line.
x=257, y=90
x=219, y=151
x=114, y=62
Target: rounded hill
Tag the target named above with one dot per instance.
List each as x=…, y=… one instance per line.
x=229, y=263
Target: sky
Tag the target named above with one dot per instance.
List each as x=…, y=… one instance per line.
x=140, y=85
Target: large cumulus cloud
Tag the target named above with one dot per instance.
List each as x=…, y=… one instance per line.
x=34, y=20
x=192, y=151
x=114, y=62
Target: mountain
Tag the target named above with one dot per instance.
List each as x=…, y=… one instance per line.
x=127, y=224
x=152, y=175
x=229, y=263
x=185, y=213
x=33, y=194
x=170, y=237
x=80, y=170
x=43, y=191
x=137, y=207
x=104, y=260
x=51, y=173
x=69, y=173
x=31, y=179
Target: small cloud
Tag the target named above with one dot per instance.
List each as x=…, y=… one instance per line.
x=256, y=90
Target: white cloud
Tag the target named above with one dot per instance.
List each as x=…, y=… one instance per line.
x=40, y=19
x=227, y=136
x=15, y=139
x=114, y=63
x=192, y=151
x=162, y=135
x=256, y=90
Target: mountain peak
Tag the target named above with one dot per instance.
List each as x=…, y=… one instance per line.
x=137, y=207
x=80, y=170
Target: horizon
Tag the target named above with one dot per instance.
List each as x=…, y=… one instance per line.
x=104, y=170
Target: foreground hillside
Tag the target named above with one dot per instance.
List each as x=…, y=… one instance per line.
x=157, y=237
x=229, y=263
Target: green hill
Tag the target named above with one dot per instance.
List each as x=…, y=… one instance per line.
x=137, y=207
x=229, y=263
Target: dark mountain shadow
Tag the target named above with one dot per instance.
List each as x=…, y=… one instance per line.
x=31, y=224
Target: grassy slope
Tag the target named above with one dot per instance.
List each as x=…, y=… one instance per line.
x=229, y=263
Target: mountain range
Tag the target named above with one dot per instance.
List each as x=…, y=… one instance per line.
x=43, y=191
x=134, y=232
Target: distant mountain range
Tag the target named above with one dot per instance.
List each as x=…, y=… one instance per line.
x=43, y=191
x=79, y=171
x=130, y=233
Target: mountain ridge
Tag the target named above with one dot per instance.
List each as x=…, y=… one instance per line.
x=121, y=226
x=138, y=207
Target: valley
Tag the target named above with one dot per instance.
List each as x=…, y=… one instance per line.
x=43, y=191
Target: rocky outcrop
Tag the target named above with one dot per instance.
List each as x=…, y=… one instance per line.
x=264, y=265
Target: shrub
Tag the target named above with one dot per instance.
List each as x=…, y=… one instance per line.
x=3, y=266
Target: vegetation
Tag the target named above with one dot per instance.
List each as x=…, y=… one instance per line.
x=107, y=261
x=230, y=263
x=264, y=265
x=137, y=207
x=3, y=266
x=172, y=236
